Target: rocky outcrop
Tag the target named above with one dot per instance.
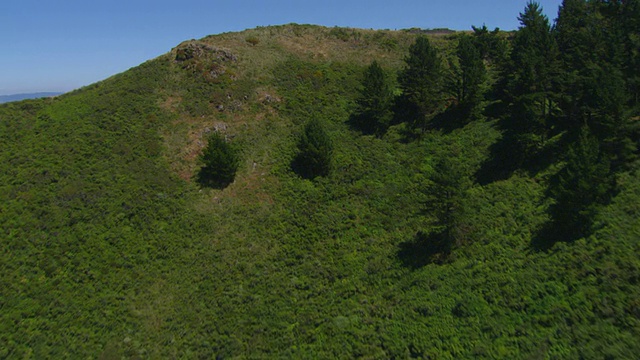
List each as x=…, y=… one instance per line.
x=199, y=50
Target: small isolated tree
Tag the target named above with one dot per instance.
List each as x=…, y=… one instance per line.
x=315, y=151
x=220, y=163
x=451, y=182
x=445, y=198
x=373, y=113
x=422, y=81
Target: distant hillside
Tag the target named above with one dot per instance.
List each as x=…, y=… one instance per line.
x=425, y=236
x=18, y=97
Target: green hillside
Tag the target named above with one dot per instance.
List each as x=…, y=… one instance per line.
x=439, y=234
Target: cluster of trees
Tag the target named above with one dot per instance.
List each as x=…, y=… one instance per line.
x=576, y=82
x=430, y=86
x=432, y=91
x=577, y=79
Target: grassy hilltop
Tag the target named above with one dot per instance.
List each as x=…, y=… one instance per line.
x=111, y=248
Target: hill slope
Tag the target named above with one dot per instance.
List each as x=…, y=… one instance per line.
x=111, y=250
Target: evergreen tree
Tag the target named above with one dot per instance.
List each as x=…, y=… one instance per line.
x=450, y=184
x=576, y=46
x=597, y=85
x=530, y=87
x=315, y=151
x=575, y=37
x=492, y=47
x=422, y=81
x=583, y=186
x=220, y=163
x=534, y=67
x=471, y=77
x=373, y=112
x=605, y=113
x=631, y=28
x=591, y=42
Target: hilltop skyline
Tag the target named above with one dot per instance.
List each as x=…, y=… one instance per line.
x=61, y=46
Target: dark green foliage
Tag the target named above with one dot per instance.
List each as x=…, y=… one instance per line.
x=450, y=185
x=315, y=151
x=595, y=90
x=580, y=40
x=471, y=76
x=578, y=34
x=630, y=24
x=492, y=45
x=590, y=44
x=530, y=90
x=220, y=162
x=583, y=186
x=422, y=82
x=341, y=33
x=528, y=99
x=605, y=113
x=373, y=113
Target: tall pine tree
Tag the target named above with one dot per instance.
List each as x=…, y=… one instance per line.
x=583, y=186
x=529, y=88
x=422, y=82
x=373, y=112
x=630, y=21
x=471, y=75
x=597, y=84
x=491, y=45
x=451, y=182
x=533, y=70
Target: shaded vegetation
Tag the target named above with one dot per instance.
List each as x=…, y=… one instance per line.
x=422, y=83
x=373, y=114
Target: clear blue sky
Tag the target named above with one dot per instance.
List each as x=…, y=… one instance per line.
x=60, y=45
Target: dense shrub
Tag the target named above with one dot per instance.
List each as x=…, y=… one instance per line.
x=315, y=151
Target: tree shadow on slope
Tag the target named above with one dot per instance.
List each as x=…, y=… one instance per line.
x=405, y=111
x=577, y=203
x=560, y=230
x=552, y=231
x=454, y=117
x=206, y=179
x=550, y=234
x=366, y=125
x=424, y=249
x=510, y=154
x=445, y=122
